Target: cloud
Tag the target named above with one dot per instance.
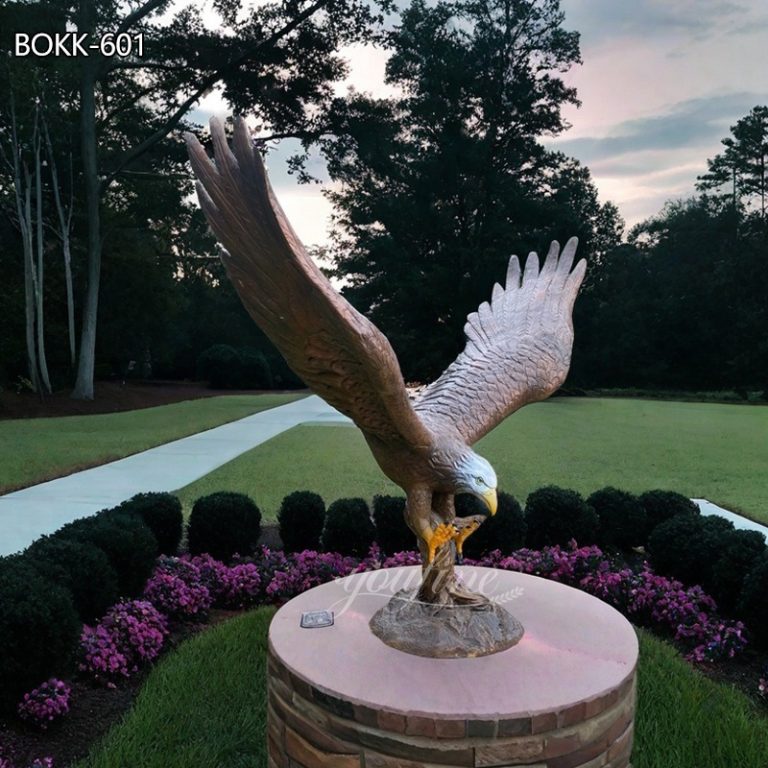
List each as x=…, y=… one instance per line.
x=605, y=19
x=700, y=122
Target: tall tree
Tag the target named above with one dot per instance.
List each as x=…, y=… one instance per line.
x=276, y=60
x=442, y=183
x=36, y=107
x=741, y=169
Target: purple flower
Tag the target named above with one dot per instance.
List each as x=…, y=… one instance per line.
x=46, y=703
x=130, y=635
x=241, y=586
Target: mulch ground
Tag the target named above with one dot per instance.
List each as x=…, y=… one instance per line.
x=93, y=711
x=109, y=397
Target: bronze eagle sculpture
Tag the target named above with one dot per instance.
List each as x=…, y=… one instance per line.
x=518, y=351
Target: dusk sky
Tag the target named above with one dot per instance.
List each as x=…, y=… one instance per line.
x=660, y=85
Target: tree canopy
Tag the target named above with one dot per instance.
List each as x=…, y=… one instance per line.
x=442, y=183
x=434, y=188
x=115, y=116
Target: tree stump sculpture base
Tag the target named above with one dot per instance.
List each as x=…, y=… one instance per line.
x=445, y=631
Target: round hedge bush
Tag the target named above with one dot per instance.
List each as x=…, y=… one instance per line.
x=622, y=519
x=663, y=505
x=126, y=541
x=80, y=567
x=741, y=551
x=348, y=528
x=504, y=531
x=753, y=604
x=392, y=532
x=38, y=630
x=221, y=366
x=557, y=515
x=687, y=547
x=162, y=514
x=224, y=524
x=255, y=370
x=301, y=518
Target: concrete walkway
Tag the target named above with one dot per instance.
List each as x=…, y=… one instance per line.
x=43, y=508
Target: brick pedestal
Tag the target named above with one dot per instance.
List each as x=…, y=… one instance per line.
x=564, y=697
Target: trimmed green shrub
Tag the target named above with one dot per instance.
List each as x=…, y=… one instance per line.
x=753, y=605
x=741, y=551
x=38, y=630
x=663, y=505
x=255, y=373
x=282, y=376
x=162, y=514
x=622, y=519
x=224, y=524
x=392, y=532
x=688, y=546
x=82, y=568
x=348, y=528
x=301, y=518
x=128, y=543
x=221, y=366
x=557, y=515
x=225, y=367
x=505, y=530
x=669, y=539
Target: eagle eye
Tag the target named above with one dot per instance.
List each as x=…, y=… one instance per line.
x=479, y=480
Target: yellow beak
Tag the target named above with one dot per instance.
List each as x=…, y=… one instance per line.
x=491, y=501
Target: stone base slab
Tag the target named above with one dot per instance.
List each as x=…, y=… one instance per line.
x=564, y=697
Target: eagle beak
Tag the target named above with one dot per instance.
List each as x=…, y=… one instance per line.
x=491, y=501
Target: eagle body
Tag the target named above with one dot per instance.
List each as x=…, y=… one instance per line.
x=518, y=351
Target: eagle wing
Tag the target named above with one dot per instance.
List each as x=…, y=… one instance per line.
x=340, y=354
x=518, y=348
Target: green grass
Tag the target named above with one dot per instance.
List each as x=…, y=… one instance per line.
x=333, y=461
x=204, y=705
x=685, y=720
x=703, y=450
x=33, y=450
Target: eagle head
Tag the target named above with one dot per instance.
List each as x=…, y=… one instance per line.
x=476, y=476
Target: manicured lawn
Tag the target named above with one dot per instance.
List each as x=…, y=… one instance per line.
x=33, y=450
x=704, y=450
x=204, y=705
x=333, y=461
x=685, y=720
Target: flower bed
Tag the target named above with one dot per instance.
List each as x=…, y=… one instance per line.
x=182, y=590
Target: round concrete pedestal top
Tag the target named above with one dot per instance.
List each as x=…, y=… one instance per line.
x=575, y=649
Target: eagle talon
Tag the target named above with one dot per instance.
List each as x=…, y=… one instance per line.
x=463, y=531
x=439, y=537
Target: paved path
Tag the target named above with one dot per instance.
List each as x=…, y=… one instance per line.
x=43, y=508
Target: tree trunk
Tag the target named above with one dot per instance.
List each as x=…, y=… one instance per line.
x=23, y=194
x=439, y=583
x=84, y=384
x=65, y=227
x=25, y=223
x=45, y=380
x=70, y=300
